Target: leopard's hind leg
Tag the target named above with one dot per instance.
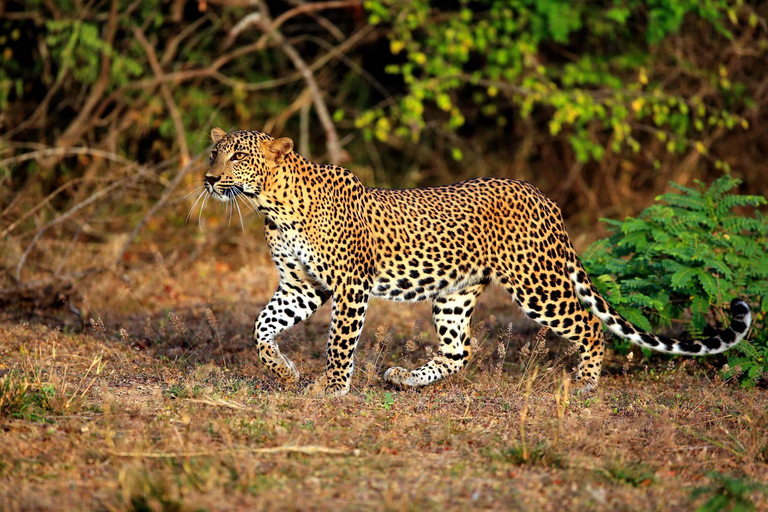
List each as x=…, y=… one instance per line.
x=451, y=314
x=557, y=307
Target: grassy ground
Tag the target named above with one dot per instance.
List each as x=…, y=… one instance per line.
x=160, y=404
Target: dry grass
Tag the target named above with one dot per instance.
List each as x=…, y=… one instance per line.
x=160, y=405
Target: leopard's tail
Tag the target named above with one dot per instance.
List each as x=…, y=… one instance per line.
x=720, y=342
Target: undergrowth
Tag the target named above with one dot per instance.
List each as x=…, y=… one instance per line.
x=727, y=493
x=683, y=259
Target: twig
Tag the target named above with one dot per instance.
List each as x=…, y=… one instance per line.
x=309, y=7
x=49, y=152
x=322, y=21
x=212, y=71
x=61, y=218
x=255, y=19
x=336, y=154
x=276, y=123
x=304, y=450
x=42, y=153
x=77, y=127
x=38, y=205
x=333, y=53
x=159, y=204
x=96, y=195
x=304, y=131
x=218, y=402
x=173, y=46
x=42, y=107
x=26, y=252
x=181, y=136
x=240, y=27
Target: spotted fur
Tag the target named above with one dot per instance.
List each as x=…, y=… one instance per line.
x=333, y=238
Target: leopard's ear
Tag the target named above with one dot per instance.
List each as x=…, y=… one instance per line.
x=276, y=150
x=217, y=134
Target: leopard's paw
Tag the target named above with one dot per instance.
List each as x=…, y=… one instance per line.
x=398, y=376
x=321, y=387
x=281, y=366
x=586, y=384
x=289, y=374
x=284, y=369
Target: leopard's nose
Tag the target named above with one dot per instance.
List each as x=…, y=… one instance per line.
x=211, y=180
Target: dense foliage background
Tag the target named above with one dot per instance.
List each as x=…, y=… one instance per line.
x=603, y=102
x=106, y=106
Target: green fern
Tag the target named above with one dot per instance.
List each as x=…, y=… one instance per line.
x=685, y=258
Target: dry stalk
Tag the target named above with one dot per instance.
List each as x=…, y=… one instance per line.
x=534, y=354
x=382, y=341
x=524, y=413
x=82, y=388
x=561, y=404
x=220, y=402
x=304, y=450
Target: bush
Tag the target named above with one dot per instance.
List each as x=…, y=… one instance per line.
x=578, y=62
x=683, y=259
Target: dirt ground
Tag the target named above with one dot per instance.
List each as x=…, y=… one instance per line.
x=159, y=403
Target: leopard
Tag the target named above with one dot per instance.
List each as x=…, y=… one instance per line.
x=333, y=238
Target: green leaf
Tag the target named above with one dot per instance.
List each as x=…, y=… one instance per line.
x=683, y=276
x=635, y=317
x=708, y=282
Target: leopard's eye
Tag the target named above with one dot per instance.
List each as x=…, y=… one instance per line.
x=238, y=156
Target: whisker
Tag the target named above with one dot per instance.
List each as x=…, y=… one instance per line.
x=200, y=196
x=239, y=213
x=249, y=204
x=241, y=194
x=229, y=207
x=197, y=189
x=200, y=214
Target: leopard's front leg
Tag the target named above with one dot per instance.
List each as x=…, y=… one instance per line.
x=293, y=302
x=296, y=298
x=350, y=303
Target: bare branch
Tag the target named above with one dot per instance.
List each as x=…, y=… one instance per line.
x=83, y=120
x=336, y=153
x=26, y=252
x=173, y=45
x=304, y=131
x=334, y=52
x=94, y=197
x=181, y=136
x=275, y=124
x=159, y=204
x=255, y=19
x=240, y=27
x=212, y=71
x=43, y=153
x=39, y=205
x=322, y=21
x=308, y=7
x=41, y=108
x=61, y=218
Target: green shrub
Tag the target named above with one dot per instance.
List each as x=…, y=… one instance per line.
x=479, y=61
x=14, y=400
x=683, y=259
x=727, y=493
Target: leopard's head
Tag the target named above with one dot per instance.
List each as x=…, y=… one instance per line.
x=240, y=161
